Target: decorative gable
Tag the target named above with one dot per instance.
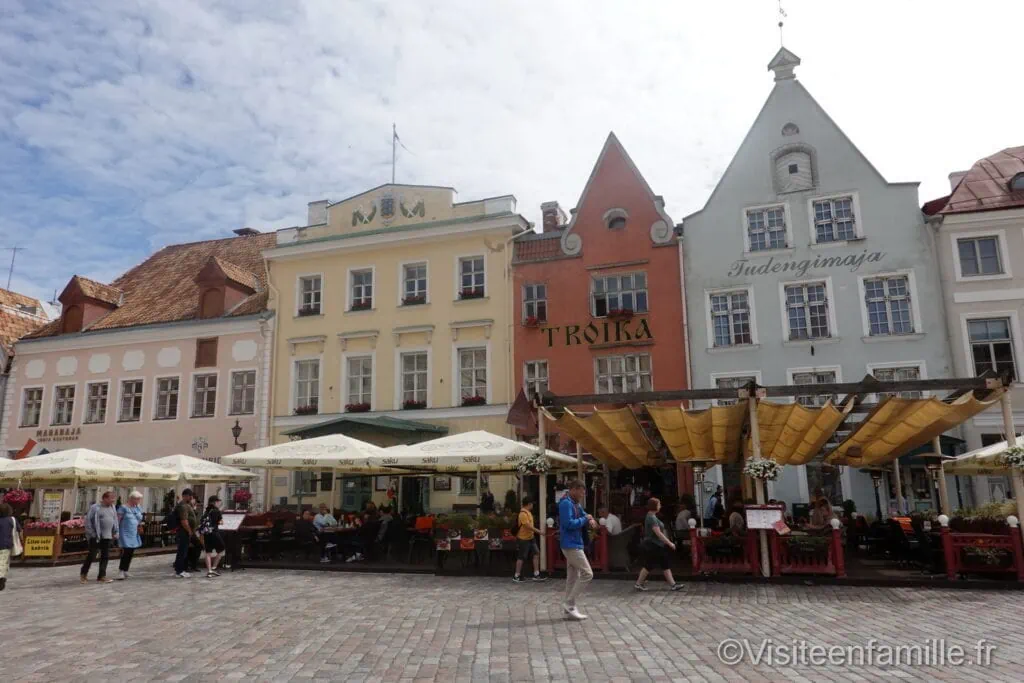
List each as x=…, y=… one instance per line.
x=222, y=286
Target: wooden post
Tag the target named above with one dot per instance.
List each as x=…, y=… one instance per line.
x=755, y=441
x=542, y=503
x=943, y=491
x=897, y=483
x=1011, y=440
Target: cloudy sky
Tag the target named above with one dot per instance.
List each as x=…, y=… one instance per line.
x=126, y=126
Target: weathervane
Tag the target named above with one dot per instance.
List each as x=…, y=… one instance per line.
x=782, y=15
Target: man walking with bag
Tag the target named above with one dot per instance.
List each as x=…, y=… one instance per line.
x=572, y=520
x=100, y=531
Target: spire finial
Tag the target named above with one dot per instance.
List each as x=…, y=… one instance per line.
x=782, y=15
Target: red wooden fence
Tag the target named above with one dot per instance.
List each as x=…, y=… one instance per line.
x=744, y=562
x=958, y=547
x=833, y=563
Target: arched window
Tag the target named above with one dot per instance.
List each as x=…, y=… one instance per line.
x=794, y=168
x=72, y=319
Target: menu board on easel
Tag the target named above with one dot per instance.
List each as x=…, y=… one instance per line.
x=231, y=522
x=53, y=504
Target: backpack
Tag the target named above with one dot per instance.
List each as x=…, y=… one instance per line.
x=172, y=521
x=205, y=526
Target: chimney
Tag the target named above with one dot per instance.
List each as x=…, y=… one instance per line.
x=553, y=216
x=954, y=179
x=317, y=212
x=245, y=232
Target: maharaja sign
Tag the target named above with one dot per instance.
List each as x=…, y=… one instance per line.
x=852, y=261
x=601, y=332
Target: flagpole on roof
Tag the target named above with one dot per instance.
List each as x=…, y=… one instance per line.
x=394, y=139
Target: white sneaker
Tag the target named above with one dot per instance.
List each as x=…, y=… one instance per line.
x=126, y=575
x=332, y=545
x=325, y=560
x=576, y=614
x=184, y=575
x=121, y=576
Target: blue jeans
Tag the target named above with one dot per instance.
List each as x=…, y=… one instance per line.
x=182, y=557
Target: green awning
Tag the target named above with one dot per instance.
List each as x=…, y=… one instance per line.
x=357, y=422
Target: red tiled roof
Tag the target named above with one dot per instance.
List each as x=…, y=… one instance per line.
x=538, y=249
x=98, y=290
x=163, y=289
x=932, y=207
x=987, y=185
x=13, y=299
x=14, y=323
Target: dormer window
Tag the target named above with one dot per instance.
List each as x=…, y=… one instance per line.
x=1017, y=183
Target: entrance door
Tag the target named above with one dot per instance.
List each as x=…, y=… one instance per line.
x=355, y=492
x=415, y=495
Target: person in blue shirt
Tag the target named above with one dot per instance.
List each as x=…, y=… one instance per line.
x=129, y=520
x=572, y=520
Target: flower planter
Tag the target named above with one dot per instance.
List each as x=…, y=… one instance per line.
x=414, y=301
x=361, y=306
x=414, y=405
x=533, y=322
x=307, y=311
x=471, y=293
x=357, y=408
x=620, y=314
x=307, y=410
x=474, y=401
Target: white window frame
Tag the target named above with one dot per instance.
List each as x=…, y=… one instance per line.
x=715, y=376
x=527, y=387
x=858, y=224
x=459, y=258
x=790, y=372
x=345, y=357
x=646, y=290
x=106, y=408
x=229, y=407
x=350, y=287
x=524, y=315
x=298, y=292
x=42, y=406
x=53, y=407
x=915, y=308
x=1018, y=346
x=292, y=394
x=709, y=318
x=1004, y=254
x=919, y=364
x=156, y=398
x=831, y=304
x=142, y=402
x=457, y=369
x=765, y=207
x=597, y=359
x=192, y=394
x=399, y=398
x=401, y=280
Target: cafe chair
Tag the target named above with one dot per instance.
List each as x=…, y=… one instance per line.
x=618, y=548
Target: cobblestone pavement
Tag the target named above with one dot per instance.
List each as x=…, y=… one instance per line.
x=276, y=625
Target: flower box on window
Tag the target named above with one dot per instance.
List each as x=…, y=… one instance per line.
x=357, y=407
x=621, y=313
x=474, y=400
x=362, y=305
x=471, y=293
x=414, y=300
x=309, y=310
x=307, y=410
x=414, y=405
x=533, y=321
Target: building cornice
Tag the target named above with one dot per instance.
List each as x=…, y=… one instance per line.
x=426, y=414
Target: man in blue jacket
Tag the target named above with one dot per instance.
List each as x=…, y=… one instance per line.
x=572, y=520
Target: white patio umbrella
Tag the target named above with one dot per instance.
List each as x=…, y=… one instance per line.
x=334, y=451
x=83, y=466
x=476, y=451
x=196, y=471
x=985, y=460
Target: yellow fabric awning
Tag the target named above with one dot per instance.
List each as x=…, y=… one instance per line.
x=792, y=434
x=612, y=436
x=899, y=425
x=701, y=435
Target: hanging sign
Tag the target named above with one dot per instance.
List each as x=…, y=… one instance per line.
x=39, y=546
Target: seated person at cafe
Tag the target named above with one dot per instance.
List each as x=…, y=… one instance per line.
x=323, y=521
x=385, y=519
x=822, y=515
x=305, y=531
x=612, y=522
x=686, y=507
x=737, y=521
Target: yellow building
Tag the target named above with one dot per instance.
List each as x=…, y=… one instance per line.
x=393, y=326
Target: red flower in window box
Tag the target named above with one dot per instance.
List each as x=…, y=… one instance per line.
x=414, y=300
x=357, y=407
x=532, y=321
x=474, y=401
x=307, y=410
x=362, y=305
x=414, y=405
x=242, y=496
x=620, y=313
x=471, y=293
x=309, y=310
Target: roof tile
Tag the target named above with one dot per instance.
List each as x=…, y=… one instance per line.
x=987, y=185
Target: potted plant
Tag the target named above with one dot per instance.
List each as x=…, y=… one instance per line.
x=762, y=468
x=357, y=407
x=471, y=293
x=309, y=310
x=414, y=299
x=361, y=305
x=535, y=463
x=309, y=409
x=241, y=499
x=531, y=321
x=620, y=313
x=18, y=499
x=411, y=404
x=474, y=400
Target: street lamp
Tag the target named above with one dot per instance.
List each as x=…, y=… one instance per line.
x=876, y=479
x=236, y=432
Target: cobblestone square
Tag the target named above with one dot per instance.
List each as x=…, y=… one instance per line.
x=280, y=625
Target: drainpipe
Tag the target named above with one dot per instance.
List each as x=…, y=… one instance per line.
x=686, y=326
x=269, y=405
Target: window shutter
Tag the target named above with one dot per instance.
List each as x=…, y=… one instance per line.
x=206, y=353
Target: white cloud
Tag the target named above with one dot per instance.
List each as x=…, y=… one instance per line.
x=126, y=128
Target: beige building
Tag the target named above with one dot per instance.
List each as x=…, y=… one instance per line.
x=392, y=326
x=979, y=235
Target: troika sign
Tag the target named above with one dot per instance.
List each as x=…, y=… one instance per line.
x=852, y=261
x=600, y=332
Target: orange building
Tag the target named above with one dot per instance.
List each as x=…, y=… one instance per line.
x=599, y=301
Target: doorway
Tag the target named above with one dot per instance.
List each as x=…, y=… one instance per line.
x=415, y=495
x=356, y=492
